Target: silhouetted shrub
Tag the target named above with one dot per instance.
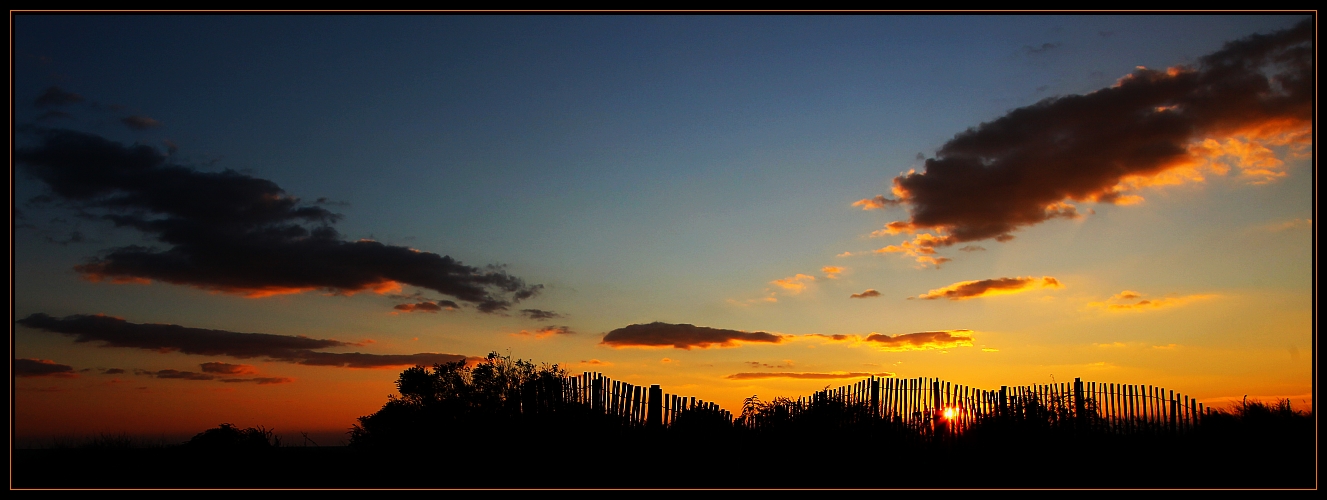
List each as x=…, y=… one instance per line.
x=229, y=437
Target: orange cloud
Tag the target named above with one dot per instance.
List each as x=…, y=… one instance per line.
x=875, y=203
x=794, y=284
x=984, y=288
x=832, y=272
x=921, y=248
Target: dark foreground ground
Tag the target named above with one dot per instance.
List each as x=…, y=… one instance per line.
x=645, y=460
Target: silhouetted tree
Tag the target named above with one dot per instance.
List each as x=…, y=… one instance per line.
x=455, y=401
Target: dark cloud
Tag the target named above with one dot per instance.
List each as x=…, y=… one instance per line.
x=997, y=286
x=113, y=371
x=186, y=375
x=175, y=374
x=55, y=96
x=235, y=233
x=1041, y=48
x=428, y=307
x=139, y=122
x=29, y=367
x=683, y=336
x=362, y=360
x=1149, y=128
x=539, y=314
x=228, y=369
x=865, y=295
x=757, y=364
x=259, y=380
x=809, y=375
x=922, y=340
x=116, y=332
x=556, y=330
x=547, y=331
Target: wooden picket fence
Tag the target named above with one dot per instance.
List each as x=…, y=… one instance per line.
x=930, y=405
x=635, y=405
x=926, y=405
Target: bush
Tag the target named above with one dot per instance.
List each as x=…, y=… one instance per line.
x=229, y=437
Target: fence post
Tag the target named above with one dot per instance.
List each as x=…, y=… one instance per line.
x=1079, y=404
x=654, y=416
x=597, y=401
x=1004, y=401
x=935, y=400
x=875, y=397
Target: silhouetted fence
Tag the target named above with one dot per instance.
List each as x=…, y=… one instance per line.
x=636, y=405
x=926, y=406
x=931, y=406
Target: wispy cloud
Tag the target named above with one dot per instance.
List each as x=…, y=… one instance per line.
x=1129, y=300
x=832, y=272
x=878, y=202
x=540, y=314
x=228, y=369
x=1288, y=225
x=1041, y=49
x=794, y=284
x=865, y=295
x=547, y=331
x=984, y=288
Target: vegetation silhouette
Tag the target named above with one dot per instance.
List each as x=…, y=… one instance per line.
x=227, y=437
x=499, y=398
x=509, y=423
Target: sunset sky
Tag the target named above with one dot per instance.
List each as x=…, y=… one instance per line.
x=262, y=220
